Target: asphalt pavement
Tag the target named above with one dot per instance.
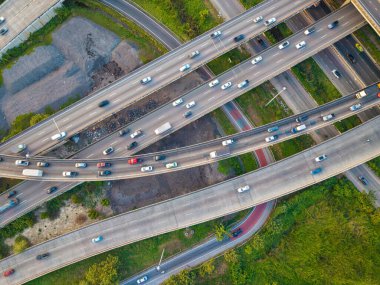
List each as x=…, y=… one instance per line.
x=268, y=183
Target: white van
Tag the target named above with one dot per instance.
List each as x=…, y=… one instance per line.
x=59, y=136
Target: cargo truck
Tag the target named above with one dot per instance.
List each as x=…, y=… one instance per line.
x=361, y=94
x=165, y=127
x=11, y=203
x=219, y=153
x=18, y=148
x=298, y=128
x=32, y=172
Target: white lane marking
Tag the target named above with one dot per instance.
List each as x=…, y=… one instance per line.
x=209, y=99
x=20, y=194
x=205, y=44
x=117, y=100
x=44, y=140
x=40, y=133
x=279, y=60
x=118, y=149
x=323, y=36
x=160, y=117
x=321, y=29
x=90, y=155
x=341, y=17
x=346, y=23
x=114, y=93
x=257, y=73
x=69, y=126
x=93, y=113
x=88, y=107
x=275, y=54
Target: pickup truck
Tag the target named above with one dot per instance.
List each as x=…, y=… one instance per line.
x=219, y=153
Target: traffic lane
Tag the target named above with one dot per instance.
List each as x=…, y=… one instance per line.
x=372, y=7
x=229, y=27
x=147, y=23
x=198, y=154
x=342, y=152
x=340, y=11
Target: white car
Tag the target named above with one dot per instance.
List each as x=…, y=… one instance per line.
x=147, y=168
x=184, y=67
x=258, y=19
x=136, y=133
x=270, y=21
x=108, y=150
x=301, y=45
x=171, y=165
x=243, y=189
x=146, y=80
x=194, y=54
x=80, y=165
x=328, y=117
x=243, y=84
x=2, y=20
x=213, y=83
x=309, y=31
x=355, y=107
x=190, y=105
x=142, y=279
x=216, y=34
x=69, y=173
x=59, y=136
x=271, y=138
x=321, y=158
x=178, y=102
x=257, y=59
x=228, y=142
x=226, y=85
x=22, y=163
x=283, y=45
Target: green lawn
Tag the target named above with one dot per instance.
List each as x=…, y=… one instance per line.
x=327, y=234
x=347, y=124
x=186, y=18
x=250, y=3
x=253, y=105
x=293, y=146
x=315, y=81
x=228, y=60
x=370, y=40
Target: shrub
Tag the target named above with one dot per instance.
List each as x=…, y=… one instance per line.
x=93, y=214
x=21, y=243
x=76, y=199
x=105, y=202
x=44, y=215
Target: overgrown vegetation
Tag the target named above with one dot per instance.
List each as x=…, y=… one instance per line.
x=250, y=3
x=307, y=241
x=186, y=18
x=228, y=60
x=292, y=146
x=371, y=41
x=278, y=33
x=375, y=165
x=348, y=124
x=315, y=81
x=21, y=243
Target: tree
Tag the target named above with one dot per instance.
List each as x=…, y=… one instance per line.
x=231, y=256
x=207, y=268
x=76, y=199
x=185, y=277
x=21, y=243
x=103, y=273
x=105, y=202
x=93, y=214
x=220, y=232
x=37, y=118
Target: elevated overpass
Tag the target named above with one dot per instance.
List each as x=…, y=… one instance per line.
x=195, y=155
x=370, y=10
x=278, y=179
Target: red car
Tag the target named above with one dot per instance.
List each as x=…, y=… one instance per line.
x=8, y=272
x=132, y=161
x=103, y=164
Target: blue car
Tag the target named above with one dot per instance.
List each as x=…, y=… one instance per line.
x=97, y=239
x=316, y=171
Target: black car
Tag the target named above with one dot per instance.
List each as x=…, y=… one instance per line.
x=351, y=58
x=11, y=194
x=103, y=103
x=123, y=132
x=237, y=232
x=363, y=180
x=260, y=41
x=43, y=256
x=104, y=172
x=159, y=157
x=301, y=119
x=132, y=145
x=187, y=114
x=239, y=38
x=3, y=31
x=52, y=189
x=333, y=25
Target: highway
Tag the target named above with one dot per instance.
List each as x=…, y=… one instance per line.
x=276, y=180
x=163, y=71
x=19, y=14
x=35, y=194
x=371, y=8
x=194, y=155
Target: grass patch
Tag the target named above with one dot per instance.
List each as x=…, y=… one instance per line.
x=6, y=183
x=348, y=123
x=230, y=166
x=370, y=40
x=307, y=239
x=224, y=122
x=253, y=105
x=278, y=33
x=315, y=81
x=250, y=3
x=186, y=18
x=292, y=146
x=138, y=256
x=249, y=162
x=228, y=60
x=375, y=165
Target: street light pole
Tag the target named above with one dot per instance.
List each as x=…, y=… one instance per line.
x=162, y=255
x=283, y=89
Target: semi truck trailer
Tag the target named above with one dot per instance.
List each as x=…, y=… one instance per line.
x=165, y=127
x=32, y=172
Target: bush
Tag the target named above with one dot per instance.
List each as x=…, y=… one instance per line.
x=21, y=243
x=53, y=208
x=76, y=199
x=105, y=202
x=44, y=215
x=93, y=214
x=18, y=226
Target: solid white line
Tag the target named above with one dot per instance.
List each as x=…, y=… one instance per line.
x=45, y=139
x=40, y=133
x=90, y=155
x=93, y=113
x=209, y=99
